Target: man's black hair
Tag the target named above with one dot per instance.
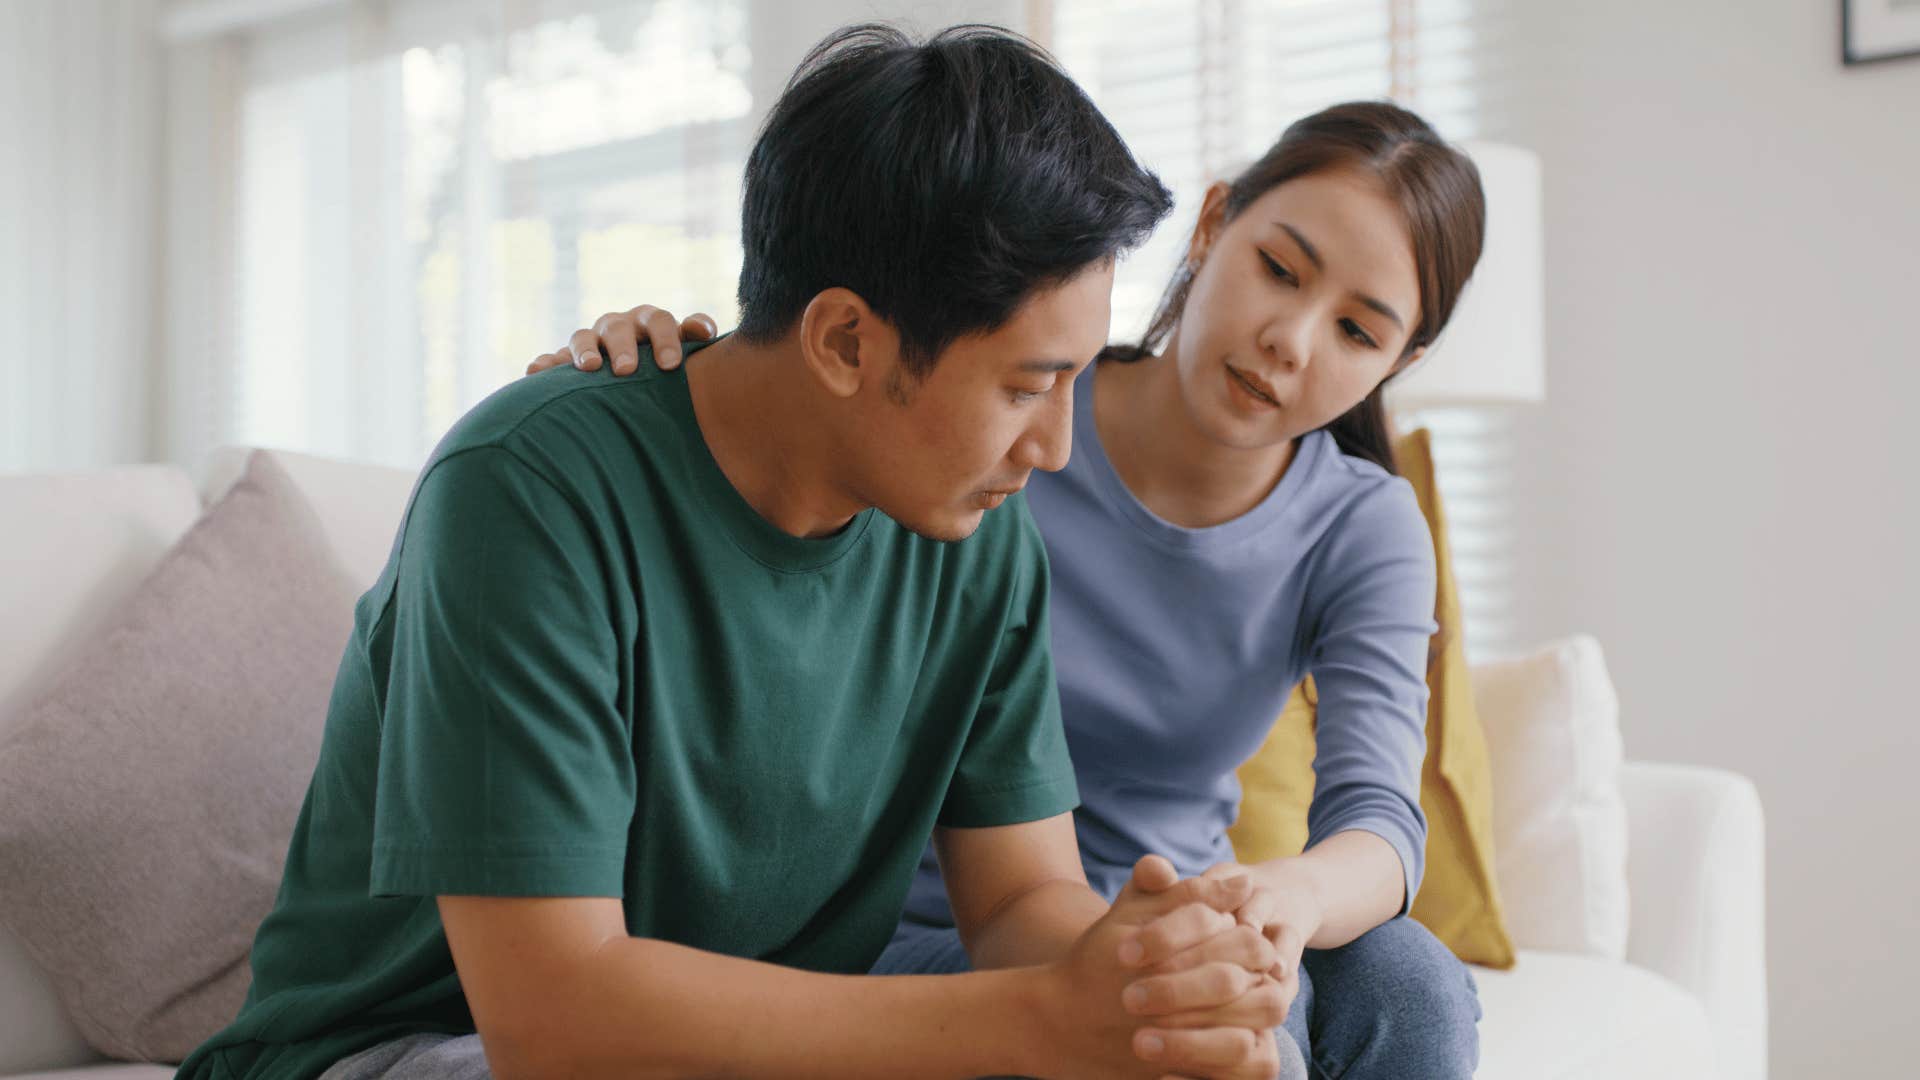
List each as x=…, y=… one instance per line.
x=943, y=182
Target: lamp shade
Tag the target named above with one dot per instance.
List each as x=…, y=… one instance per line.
x=1493, y=351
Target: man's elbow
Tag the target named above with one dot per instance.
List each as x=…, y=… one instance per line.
x=528, y=1051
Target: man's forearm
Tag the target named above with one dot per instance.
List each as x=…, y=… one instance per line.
x=1357, y=877
x=1036, y=927
x=646, y=1008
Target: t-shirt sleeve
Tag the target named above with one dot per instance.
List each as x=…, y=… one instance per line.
x=1369, y=663
x=1014, y=766
x=506, y=764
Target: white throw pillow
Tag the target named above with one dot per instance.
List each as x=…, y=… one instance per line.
x=1559, y=819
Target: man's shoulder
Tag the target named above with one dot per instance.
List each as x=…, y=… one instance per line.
x=582, y=404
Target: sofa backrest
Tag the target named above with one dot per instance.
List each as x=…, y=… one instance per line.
x=75, y=545
x=359, y=504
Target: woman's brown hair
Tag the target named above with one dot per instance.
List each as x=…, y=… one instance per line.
x=1438, y=191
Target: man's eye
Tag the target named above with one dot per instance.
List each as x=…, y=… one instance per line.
x=1275, y=268
x=1021, y=397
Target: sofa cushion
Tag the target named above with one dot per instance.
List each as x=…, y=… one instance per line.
x=1560, y=821
x=149, y=794
x=359, y=504
x=1557, y=1016
x=75, y=546
x=115, y=1071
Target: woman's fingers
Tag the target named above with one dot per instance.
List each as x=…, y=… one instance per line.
x=1287, y=946
x=615, y=336
x=1243, y=945
x=549, y=360
x=584, y=346
x=1265, y=1005
x=663, y=334
x=616, y=333
x=1174, y=933
x=698, y=326
x=1208, y=986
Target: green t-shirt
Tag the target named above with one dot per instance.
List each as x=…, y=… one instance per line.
x=589, y=668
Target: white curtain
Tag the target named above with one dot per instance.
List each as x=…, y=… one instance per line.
x=385, y=209
x=79, y=93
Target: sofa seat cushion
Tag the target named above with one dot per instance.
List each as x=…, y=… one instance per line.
x=104, y=1071
x=1558, y=1016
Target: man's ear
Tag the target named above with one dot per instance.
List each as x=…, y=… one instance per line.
x=844, y=343
x=1213, y=218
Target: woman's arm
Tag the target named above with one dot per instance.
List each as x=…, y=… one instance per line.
x=1372, y=601
x=1345, y=885
x=616, y=335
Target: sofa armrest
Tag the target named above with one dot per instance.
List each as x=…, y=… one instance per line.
x=1696, y=870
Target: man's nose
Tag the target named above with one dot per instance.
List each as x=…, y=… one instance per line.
x=1049, y=442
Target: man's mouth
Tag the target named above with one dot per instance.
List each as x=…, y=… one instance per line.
x=992, y=497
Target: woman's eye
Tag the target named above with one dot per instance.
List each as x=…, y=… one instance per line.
x=1274, y=266
x=1358, y=335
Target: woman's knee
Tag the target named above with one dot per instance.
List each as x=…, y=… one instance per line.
x=1420, y=999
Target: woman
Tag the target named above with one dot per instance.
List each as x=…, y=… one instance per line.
x=1230, y=523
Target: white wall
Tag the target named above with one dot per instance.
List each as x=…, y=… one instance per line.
x=1727, y=489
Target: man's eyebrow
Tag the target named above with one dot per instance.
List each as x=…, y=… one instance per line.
x=1313, y=255
x=1048, y=367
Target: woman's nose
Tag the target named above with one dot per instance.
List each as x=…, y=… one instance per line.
x=1289, y=340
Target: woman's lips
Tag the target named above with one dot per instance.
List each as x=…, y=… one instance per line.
x=1251, y=388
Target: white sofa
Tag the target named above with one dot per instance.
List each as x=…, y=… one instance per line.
x=1690, y=1002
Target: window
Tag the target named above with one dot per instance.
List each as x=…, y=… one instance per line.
x=429, y=194
x=411, y=198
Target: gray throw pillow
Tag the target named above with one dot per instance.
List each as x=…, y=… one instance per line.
x=147, y=798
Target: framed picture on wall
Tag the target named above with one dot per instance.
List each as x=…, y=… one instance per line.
x=1879, y=30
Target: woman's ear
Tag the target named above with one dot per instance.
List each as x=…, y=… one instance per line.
x=844, y=343
x=1213, y=218
x=1408, y=360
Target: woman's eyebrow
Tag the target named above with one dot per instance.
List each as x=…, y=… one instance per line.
x=1313, y=256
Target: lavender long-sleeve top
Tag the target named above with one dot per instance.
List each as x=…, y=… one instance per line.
x=1176, y=649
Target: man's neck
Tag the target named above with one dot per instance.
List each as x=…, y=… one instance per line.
x=769, y=426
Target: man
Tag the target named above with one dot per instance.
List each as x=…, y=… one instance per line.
x=669, y=679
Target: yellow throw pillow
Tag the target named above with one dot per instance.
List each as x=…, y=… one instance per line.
x=1458, y=899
